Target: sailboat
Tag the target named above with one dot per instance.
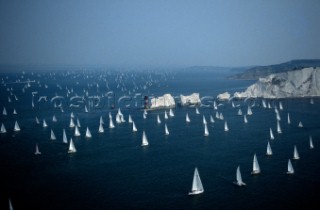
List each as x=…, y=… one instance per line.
x=245, y=120
x=52, y=136
x=171, y=113
x=289, y=121
x=144, y=139
x=166, y=129
x=3, y=129
x=239, y=111
x=217, y=115
x=197, y=187
x=10, y=205
x=280, y=105
x=255, y=167
x=295, y=153
x=54, y=119
x=310, y=142
x=239, y=181
x=44, y=124
x=118, y=119
x=16, y=126
x=37, y=150
x=101, y=129
x=204, y=120
x=71, y=125
x=300, y=125
x=37, y=120
x=226, y=128
x=206, y=131
x=290, y=168
x=269, y=151
x=76, y=131
x=211, y=119
x=4, y=111
x=111, y=125
x=271, y=134
x=64, y=138
x=14, y=111
x=88, y=133
x=71, y=115
x=134, y=129
x=130, y=119
x=165, y=114
x=85, y=108
x=101, y=120
x=187, y=118
x=221, y=116
x=197, y=110
x=278, y=127
x=72, y=148
x=78, y=123
x=158, y=119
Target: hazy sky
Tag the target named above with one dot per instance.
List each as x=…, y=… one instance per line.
x=158, y=33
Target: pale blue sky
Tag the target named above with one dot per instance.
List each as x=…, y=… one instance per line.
x=158, y=33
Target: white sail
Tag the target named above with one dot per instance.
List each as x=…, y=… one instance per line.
x=215, y=107
x=171, y=113
x=295, y=153
x=144, y=139
x=239, y=181
x=118, y=119
x=239, y=111
x=44, y=124
x=72, y=148
x=101, y=120
x=300, y=125
x=269, y=106
x=14, y=111
x=165, y=114
x=37, y=150
x=10, y=205
x=289, y=121
x=197, y=187
x=197, y=110
x=278, y=116
x=4, y=111
x=3, y=129
x=144, y=116
x=290, y=168
x=311, y=101
x=122, y=118
x=76, y=131
x=166, y=129
x=269, y=150
x=211, y=119
x=71, y=124
x=71, y=115
x=280, y=105
x=271, y=134
x=111, y=125
x=249, y=111
x=158, y=119
x=245, y=120
x=16, y=126
x=278, y=127
x=88, y=133
x=145, y=112
x=255, y=167
x=221, y=116
x=204, y=121
x=54, y=119
x=226, y=128
x=217, y=115
x=187, y=118
x=64, y=137
x=206, y=131
x=134, y=128
x=85, y=108
x=101, y=129
x=310, y=142
x=130, y=119
x=52, y=136
x=37, y=120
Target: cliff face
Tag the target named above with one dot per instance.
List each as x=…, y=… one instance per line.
x=299, y=83
x=164, y=101
x=193, y=99
x=263, y=71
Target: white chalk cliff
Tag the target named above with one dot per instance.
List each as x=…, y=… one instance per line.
x=193, y=99
x=223, y=96
x=164, y=101
x=299, y=83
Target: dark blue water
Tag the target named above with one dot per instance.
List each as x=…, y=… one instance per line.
x=112, y=171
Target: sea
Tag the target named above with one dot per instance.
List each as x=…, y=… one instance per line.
x=112, y=170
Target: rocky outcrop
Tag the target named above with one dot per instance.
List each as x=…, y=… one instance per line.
x=193, y=99
x=165, y=101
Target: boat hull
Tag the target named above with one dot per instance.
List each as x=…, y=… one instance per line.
x=196, y=192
